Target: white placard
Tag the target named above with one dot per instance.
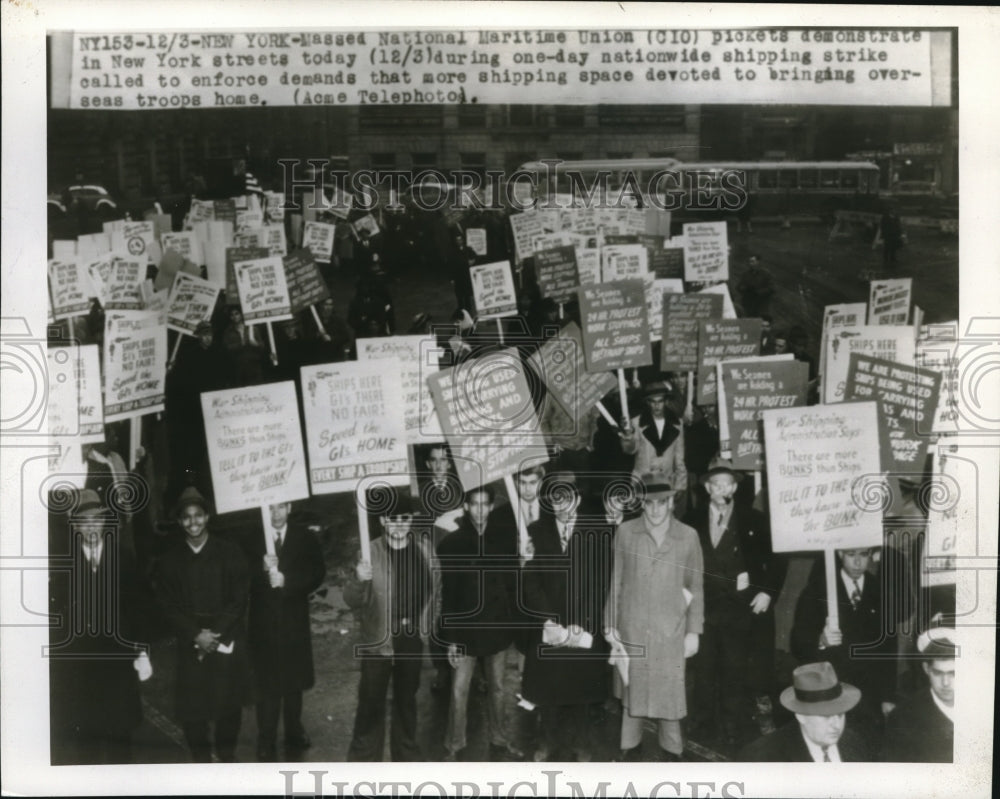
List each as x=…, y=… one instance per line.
x=185, y=244
x=493, y=290
x=706, y=252
x=317, y=237
x=655, y=289
x=191, y=301
x=135, y=363
x=417, y=359
x=68, y=289
x=475, y=238
x=890, y=342
x=889, y=301
x=623, y=262
x=254, y=446
x=263, y=290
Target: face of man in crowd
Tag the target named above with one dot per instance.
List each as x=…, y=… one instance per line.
x=822, y=730
x=397, y=529
x=564, y=503
x=479, y=506
x=205, y=339
x=754, y=261
x=656, y=509
x=437, y=462
x=765, y=327
x=91, y=527
x=235, y=316
x=721, y=488
x=193, y=520
x=279, y=514
x=780, y=346
x=527, y=486
x=656, y=404
x=941, y=674
x=855, y=561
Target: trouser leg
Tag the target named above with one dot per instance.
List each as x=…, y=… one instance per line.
x=461, y=678
x=631, y=736
x=369, y=720
x=227, y=730
x=291, y=706
x=405, y=683
x=494, y=666
x=669, y=735
x=196, y=735
x=268, y=707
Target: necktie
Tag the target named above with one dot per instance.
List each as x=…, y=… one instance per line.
x=855, y=594
x=277, y=543
x=564, y=536
x=826, y=754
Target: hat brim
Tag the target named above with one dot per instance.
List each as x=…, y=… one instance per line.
x=849, y=697
x=737, y=476
x=185, y=503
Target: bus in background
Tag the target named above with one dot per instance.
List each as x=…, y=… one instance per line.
x=776, y=188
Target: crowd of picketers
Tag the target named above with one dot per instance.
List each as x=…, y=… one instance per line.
x=632, y=570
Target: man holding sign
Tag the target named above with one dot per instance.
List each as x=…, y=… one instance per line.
x=656, y=440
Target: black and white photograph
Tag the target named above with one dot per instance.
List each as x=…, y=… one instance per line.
x=527, y=398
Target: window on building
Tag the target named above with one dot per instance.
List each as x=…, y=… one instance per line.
x=474, y=162
x=383, y=160
x=424, y=160
x=520, y=116
x=569, y=116
x=471, y=115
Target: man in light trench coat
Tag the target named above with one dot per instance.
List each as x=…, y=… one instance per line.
x=653, y=618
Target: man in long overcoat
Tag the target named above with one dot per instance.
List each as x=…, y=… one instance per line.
x=202, y=587
x=280, y=639
x=654, y=615
x=656, y=438
x=564, y=588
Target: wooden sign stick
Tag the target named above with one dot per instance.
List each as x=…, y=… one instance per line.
x=606, y=414
x=515, y=503
x=500, y=329
x=623, y=395
x=270, y=341
x=832, y=611
x=174, y=351
x=363, y=533
x=134, y=439
x=319, y=322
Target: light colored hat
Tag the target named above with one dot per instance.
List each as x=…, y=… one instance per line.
x=655, y=483
x=816, y=691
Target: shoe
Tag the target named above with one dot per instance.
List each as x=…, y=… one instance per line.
x=267, y=753
x=505, y=753
x=633, y=755
x=298, y=742
x=453, y=757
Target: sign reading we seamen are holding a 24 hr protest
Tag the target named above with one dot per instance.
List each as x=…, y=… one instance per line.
x=615, y=325
x=820, y=461
x=254, y=446
x=721, y=340
x=488, y=416
x=354, y=423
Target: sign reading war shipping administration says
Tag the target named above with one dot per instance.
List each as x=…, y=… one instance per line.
x=417, y=359
x=135, y=363
x=751, y=388
x=488, y=416
x=562, y=367
x=907, y=402
x=817, y=458
x=706, y=252
x=305, y=284
x=263, y=290
x=556, y=270
x=681, y=315
x=615, y=325
x=354, y=423
x=199, y=69
x=721, y=340
x=254, y=446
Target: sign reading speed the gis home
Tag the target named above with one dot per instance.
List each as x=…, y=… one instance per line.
x=178, y=69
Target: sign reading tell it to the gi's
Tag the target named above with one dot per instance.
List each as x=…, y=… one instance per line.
x=488, y=416
x=615, y=325
x=354, y=423
x=254, y=446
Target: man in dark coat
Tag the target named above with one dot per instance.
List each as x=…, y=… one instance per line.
x=478, y=592
x=921, y=729
x=564, y=587
x=740, y=587
x=283, y=576
x=861, y=600
x=819, y=732
x=756, y=289
x=201, y=585
x=95, y=663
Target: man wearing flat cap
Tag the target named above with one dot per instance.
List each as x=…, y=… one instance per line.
x=202, y=586
x=656, y=439
x=653, y=619
x=819, y=733
x=922, y=729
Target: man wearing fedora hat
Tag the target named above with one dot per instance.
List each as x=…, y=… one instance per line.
x=819, y=733
x=653, y=618
x=656, y=439
x=95, y=660
x=741, y=583
x=922, y=729
x=202, y=586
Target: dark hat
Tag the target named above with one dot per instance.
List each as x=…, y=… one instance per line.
x=657, y=387
x=89, y=502
x=721, y=466
x=656, y=483
x=191, y=496
x=938, y=643
x=399, y=504
x=202, y=328
x=816, y=691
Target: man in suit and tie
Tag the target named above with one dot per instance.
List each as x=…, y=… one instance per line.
x=95, y=663
x=287, y=566
x=740, y=587
x=820, y=732
x=858, y=647
x=922, y=728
